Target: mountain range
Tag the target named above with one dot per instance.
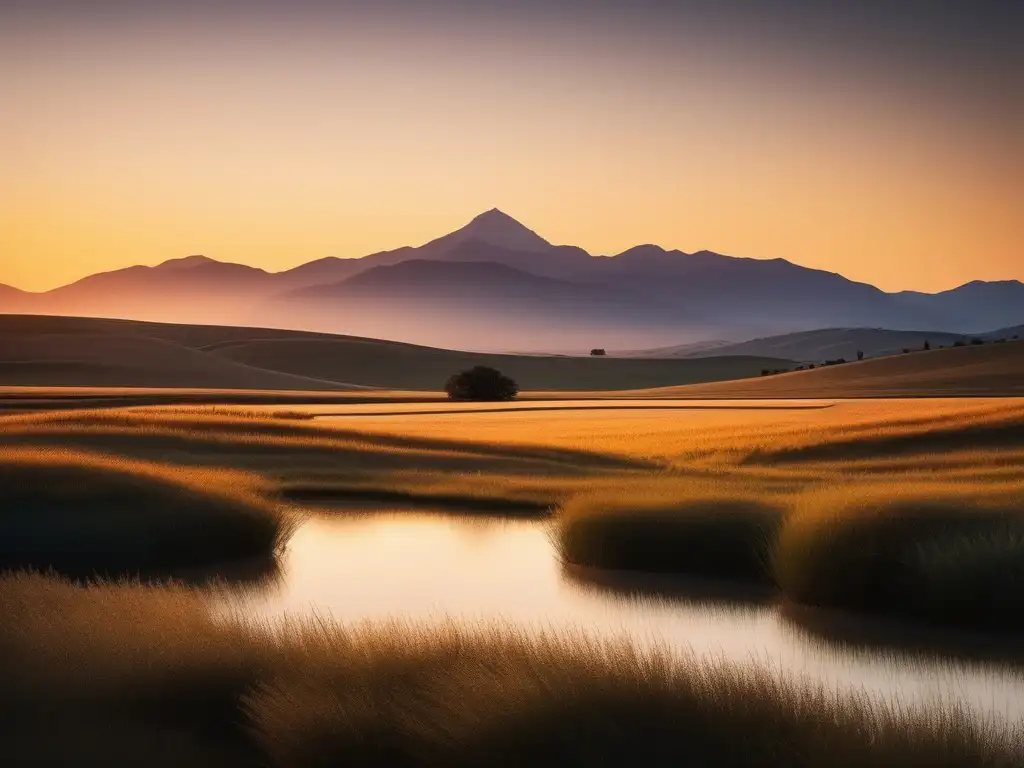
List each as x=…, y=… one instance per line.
x=494, y=284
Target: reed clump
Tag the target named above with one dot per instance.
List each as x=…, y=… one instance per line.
x=84, y=513
x=695, y=530
x=937, y=554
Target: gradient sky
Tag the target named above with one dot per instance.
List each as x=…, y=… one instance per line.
x=878, y=139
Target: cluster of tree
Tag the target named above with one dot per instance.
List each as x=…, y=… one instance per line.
x=481, y=383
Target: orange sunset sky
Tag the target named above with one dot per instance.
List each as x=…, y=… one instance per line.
x=885, y=146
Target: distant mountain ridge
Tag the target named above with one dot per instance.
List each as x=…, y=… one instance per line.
x=642, y=298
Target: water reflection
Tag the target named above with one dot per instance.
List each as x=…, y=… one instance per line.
x=431, y=569
x=691, y=591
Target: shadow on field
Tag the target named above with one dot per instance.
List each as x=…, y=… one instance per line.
x=929, y=439
x=218, y=437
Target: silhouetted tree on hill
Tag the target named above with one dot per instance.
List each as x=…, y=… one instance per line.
x=481, y=383
x=598, y=353
x=927, y=345
x=860, y=354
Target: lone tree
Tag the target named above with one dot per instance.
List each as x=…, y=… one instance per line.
x=597, y=353
x=860, y=354
x=927, y=345
x=481, y=383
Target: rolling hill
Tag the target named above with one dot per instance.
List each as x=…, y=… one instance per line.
x=819, y=345
x=87, y=359
x=991, y=370
x=86, y=352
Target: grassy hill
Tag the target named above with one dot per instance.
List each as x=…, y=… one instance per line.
x=86, y=352
x=85, y=359
x=989, y=370
x=819, y=345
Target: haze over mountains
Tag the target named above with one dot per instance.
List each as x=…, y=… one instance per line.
x=497, y=285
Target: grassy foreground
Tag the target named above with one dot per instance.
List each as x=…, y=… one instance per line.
x=119, y=674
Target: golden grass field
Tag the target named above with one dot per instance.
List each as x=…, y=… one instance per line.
x=909, y=508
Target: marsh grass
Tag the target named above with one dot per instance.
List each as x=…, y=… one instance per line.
x=704, y=533
x=84, y=513
x=939, y=554
x=702, y=494
x=125, y=674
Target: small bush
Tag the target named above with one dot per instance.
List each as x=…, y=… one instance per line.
x=976, y=341
x=481, y=383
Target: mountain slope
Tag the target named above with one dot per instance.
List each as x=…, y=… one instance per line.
x=492, y=236
x=973, y=307
x=481, y=305
x=774, y=296
x=492, y=227
x=12, y=299
x=195, y=285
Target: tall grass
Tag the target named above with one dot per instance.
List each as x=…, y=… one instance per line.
x=700, y=493
x=705, y=533
x=127, y=675
x=924, y=552
x=84, y=513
